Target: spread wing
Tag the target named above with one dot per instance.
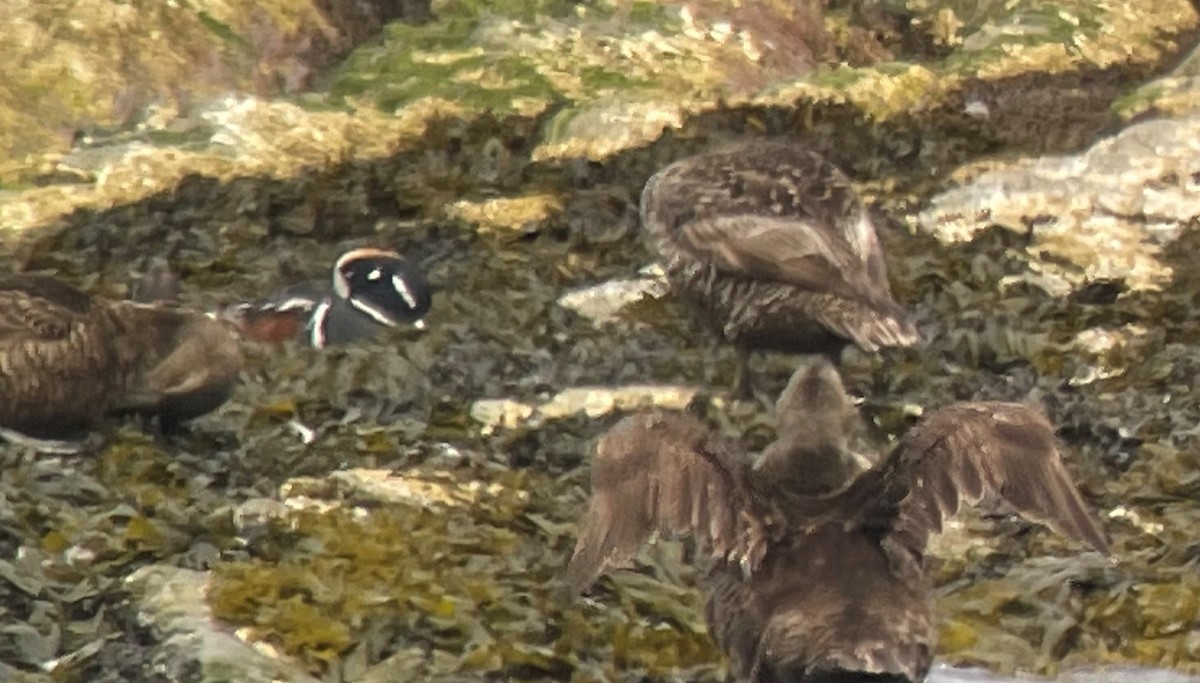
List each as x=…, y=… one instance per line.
x=666, y=473
x=965, y=451
x=36, y=307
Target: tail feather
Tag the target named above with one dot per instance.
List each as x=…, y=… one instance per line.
x=870, y=328
x=892, y=331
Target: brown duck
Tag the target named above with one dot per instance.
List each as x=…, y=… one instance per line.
x=769, y=243
x=67, y=359
x=817, y=575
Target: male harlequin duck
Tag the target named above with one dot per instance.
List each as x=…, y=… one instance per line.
x=816, y=574
x=68, y=359
x=371, y=289
x=769, y=243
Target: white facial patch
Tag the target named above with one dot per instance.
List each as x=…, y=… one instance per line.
x=405, y=293
x=340, y=286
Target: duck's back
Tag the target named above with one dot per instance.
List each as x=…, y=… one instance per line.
x=66, y=359
x=825, y=602
x=760, y=177
x=307, y=311
x=770, y=240
x=56, y=356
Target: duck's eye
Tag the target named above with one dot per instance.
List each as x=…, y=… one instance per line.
x=375, y=274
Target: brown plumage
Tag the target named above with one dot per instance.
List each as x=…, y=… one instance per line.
x=769, y=243
x=812, y=578
x=66, y=359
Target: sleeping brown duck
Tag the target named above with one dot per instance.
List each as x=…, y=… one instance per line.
x=768, y=242
x=67, y=359
x=812, y=578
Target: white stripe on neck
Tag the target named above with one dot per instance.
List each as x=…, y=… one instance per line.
x=317, y=323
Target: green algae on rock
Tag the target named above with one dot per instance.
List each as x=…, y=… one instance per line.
x=174, y=604
x=96, y=64
x=466, y=575
x=1171, y=94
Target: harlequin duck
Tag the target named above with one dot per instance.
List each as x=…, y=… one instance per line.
x=69, y=358
x=817, y=574
x=769, y=243
x=371, y=289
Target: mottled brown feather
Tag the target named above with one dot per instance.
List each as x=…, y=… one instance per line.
x=803, y=253
x=666, y=473
x=822, y=599
x=961, y=453
x=770, y=244
x=838, y=583
x=67, y=359
x=36, y=307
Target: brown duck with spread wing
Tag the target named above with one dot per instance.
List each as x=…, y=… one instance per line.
x=817, y=575
x=68, y=359
x=771, y=245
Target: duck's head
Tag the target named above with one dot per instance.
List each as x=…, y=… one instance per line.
x=815, y=402
x=382, y=285
x=811, y=455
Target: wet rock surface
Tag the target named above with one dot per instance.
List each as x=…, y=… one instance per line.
x=351, y=515
x=1107, y=215
x=173, y=606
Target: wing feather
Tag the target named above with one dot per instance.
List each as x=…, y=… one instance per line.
x=769, y=211
x=795, y=251
x=38, y=308
x=664, y=473
x=963, y=452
